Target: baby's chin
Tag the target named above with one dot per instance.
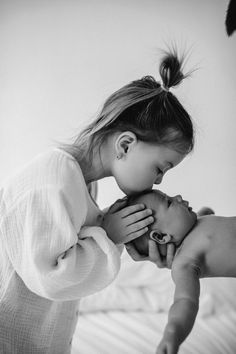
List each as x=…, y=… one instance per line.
x=194, y=217
x=191, y=221
x=188, y=229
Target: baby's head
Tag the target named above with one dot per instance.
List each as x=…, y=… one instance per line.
x=173, y=219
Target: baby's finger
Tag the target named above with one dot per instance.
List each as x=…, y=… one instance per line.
x=137, y=216
x=132, y=209
x=170, y=254
x=134, y=253
x=154, y=254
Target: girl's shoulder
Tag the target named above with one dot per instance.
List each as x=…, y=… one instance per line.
x=53, y=168
x=52, y=165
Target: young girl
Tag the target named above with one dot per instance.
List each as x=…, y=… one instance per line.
x=55, y=245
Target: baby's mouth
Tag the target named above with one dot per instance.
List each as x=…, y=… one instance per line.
x=186, y=204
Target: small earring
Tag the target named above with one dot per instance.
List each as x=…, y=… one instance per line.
x=118, y=157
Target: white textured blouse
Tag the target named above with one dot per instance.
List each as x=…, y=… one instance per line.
x=52, y=253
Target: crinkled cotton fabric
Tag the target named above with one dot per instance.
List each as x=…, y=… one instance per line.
x=52, y=253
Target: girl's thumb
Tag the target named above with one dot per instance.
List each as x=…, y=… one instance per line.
x=118, y=205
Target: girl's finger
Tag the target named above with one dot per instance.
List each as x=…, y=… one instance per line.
x=134, y=253
x=133, y=228
x=118, y=205
x=132, y=209
x=137, y=216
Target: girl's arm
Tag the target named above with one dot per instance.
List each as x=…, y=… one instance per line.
x=50, y=249
x=184, y=310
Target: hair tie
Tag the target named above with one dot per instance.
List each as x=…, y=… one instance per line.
x=164, y=88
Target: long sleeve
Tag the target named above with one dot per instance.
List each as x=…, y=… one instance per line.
x=56, y=256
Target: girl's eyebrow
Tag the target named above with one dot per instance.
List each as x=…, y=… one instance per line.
x=167, y=165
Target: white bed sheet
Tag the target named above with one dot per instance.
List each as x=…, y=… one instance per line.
x=117, y=332
x=129, y=316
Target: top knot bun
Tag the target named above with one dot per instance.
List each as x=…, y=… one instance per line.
x=171, y=69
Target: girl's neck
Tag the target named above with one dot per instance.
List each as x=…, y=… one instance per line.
x=94, y=168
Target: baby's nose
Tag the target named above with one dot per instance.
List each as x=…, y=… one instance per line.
x=178, y=198
x=186, y=203
x=159, y=179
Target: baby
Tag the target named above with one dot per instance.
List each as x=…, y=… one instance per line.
x=206, y=247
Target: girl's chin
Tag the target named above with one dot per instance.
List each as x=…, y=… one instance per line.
x=129, y=191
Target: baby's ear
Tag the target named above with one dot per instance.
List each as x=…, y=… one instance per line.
x=160, y=237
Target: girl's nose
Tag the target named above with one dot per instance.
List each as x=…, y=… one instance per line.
x=159, y=179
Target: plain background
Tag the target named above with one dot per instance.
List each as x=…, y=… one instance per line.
x=61, y=59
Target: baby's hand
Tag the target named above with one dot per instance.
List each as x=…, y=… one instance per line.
x=168, y=346
x=124, y=223
x=162, y=257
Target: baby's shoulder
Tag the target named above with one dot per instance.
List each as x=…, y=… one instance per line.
x=188, y=259
x=192, y=248
x=196, y=244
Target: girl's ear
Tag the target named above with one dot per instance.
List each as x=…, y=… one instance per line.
x=124, y=143
x=160, y=237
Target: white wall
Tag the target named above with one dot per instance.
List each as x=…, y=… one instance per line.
x=60, y=59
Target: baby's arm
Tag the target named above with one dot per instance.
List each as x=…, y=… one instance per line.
x=183, y=311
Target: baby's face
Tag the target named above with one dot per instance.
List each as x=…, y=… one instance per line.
x=172, y=215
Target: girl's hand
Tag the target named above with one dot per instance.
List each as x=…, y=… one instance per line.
x=124, y=223
x=161, y=255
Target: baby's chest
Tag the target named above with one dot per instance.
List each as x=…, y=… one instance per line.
x=220, y=258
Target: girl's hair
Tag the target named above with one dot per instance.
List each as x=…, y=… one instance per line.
x=145, y=107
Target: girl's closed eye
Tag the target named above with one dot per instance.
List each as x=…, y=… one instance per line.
x=159, y=171
x=169, y=202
